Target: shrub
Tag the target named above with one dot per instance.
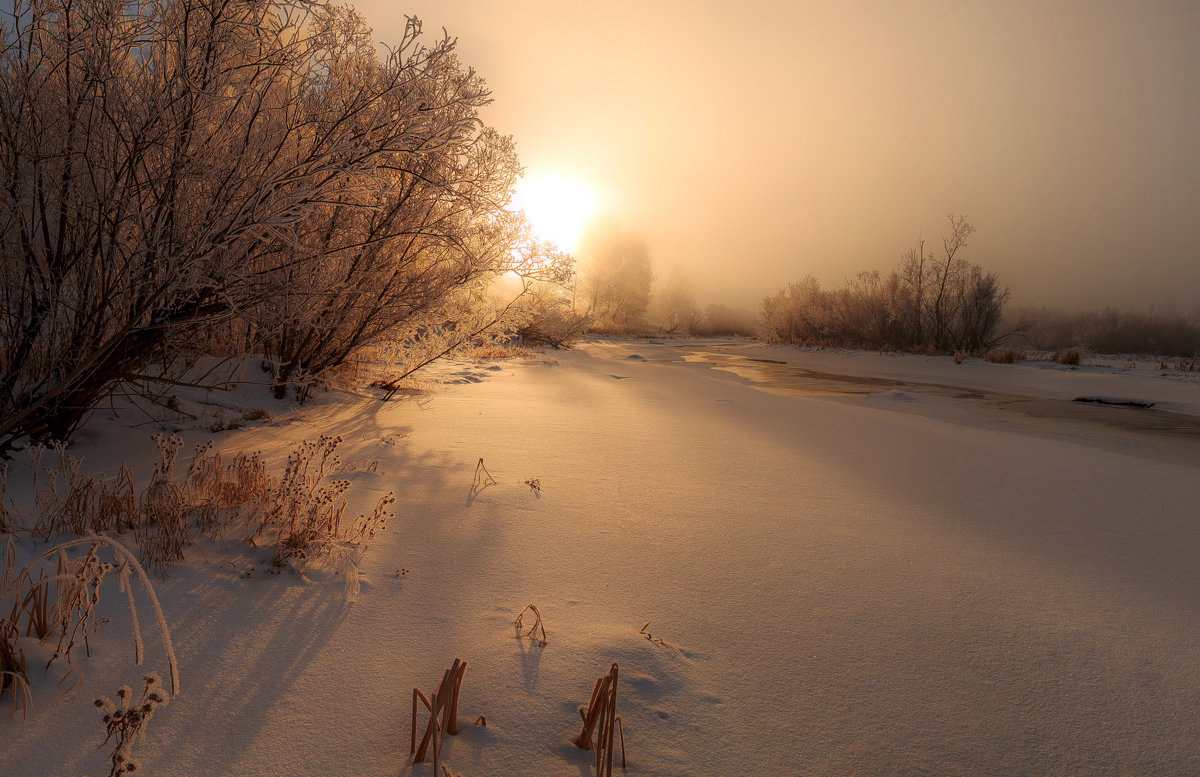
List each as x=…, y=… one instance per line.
x=344, y=198
x=1007, y=356
x=1070, y=357
x=927, y=303
x=1110, y=331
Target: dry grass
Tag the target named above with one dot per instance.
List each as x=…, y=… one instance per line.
x=1069, y=357
x=600, y=721
x=1182, y=365
x=1007, y=356
x=13, y=678
x=537, y=626
x=64, y=606
x=500, y=351
x=300, y=514
x=442, y=706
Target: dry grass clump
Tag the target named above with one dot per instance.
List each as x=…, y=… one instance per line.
x=1069, y=357
x=126, y=721
x=500, y=351
x=14, y=679
x=300, y=514
x=600, y=720
x=442, y=706
x=1182, y=365
x=1007, y=356
x=63, y=607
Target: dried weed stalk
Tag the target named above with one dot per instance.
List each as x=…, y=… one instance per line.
x=653, y=638
x=126, y=721
x=537, y=626
x=482, y=476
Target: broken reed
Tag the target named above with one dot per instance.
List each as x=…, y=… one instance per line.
x=537, y=626
x=442, y=706
x=601, y=719
x=654, y=638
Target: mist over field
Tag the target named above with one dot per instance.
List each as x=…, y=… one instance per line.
x=796, y=388
x=752, y=146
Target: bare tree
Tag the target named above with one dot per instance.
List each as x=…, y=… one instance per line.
x=615, y=276
x=928, y=302
x=169, y=164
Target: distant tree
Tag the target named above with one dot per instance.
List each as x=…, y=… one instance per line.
x=673, y=307
x=615, y=275
x=927, y=302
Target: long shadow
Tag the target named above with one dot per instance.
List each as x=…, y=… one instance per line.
x=254, y=673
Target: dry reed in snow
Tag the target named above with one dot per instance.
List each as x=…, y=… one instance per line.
x=442, y=706
x=537, y=626
x=600, y=721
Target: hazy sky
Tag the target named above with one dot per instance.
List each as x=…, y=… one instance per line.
x=754, y=142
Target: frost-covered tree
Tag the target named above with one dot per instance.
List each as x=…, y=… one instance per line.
x=169, y=165
x=615, y=276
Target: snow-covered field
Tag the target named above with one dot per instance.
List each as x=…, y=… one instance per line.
x=922, y=569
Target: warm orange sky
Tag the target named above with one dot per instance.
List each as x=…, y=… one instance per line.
x=757, y=141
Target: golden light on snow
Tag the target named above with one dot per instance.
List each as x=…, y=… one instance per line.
x=557, y=207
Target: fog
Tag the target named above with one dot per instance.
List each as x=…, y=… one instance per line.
x=756, y=142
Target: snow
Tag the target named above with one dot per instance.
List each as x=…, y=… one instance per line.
x=929, y=568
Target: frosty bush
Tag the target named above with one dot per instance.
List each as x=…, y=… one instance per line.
x=1110, y=331
x=927, y=303
x=175, y=168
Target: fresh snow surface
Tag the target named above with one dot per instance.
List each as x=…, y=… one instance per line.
x=929, y=569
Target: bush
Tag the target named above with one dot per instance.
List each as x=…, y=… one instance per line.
x=1007, y=356
x=344, y=198
x=1069, y=357
x=1109, y=331
x=927, y=303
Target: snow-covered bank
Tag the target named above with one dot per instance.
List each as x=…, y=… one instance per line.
x=843, y=588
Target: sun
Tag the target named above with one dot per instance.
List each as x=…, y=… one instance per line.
x=557, y=208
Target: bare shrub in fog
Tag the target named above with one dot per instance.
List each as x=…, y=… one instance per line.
x=673, y=307
x=545, y=316
x=928, y=302
x=615, y=276
x=718, y=319
x=177, y=168
x=1110, y=331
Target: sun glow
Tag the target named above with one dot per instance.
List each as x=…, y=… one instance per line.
x=556, y=207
